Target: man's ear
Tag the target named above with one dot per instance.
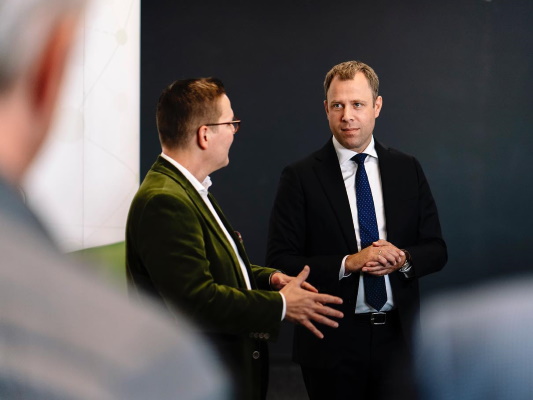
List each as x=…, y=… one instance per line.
x=45, y=82
x=377, y=106
x=202, y=137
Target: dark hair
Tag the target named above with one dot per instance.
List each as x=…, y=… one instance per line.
x=347, y=70
x=184, y=106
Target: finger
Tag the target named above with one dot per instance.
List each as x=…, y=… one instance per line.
x=302, y=276
x=308, y=324
x=375, y=269
x=388, y=258
x=275, y=281
x=328, y=311
x=382, y=260
x=381, y=272
x=327, y=299
x=402, y=254
x=309, y=287
x=324, y=321
x=396, y=253
x=372, y=264
x=380, y=242
x=392, y=252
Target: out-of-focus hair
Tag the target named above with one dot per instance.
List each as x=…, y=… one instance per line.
x=24, y=26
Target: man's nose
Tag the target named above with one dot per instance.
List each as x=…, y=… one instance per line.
x=347, y=115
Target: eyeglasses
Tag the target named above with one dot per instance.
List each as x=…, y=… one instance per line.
x=236, y=124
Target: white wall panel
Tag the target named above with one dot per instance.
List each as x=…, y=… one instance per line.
x=85, y=177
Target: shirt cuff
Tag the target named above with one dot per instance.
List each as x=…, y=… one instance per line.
x=343, y=269
x=284, y=311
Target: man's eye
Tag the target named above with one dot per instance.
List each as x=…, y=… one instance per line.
x=357, y=105
x=336, y=106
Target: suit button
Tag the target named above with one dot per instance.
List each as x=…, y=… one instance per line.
x=267, y=336
x=256, y=355
x=261, y=336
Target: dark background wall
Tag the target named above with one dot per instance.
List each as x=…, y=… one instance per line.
x=456, y=78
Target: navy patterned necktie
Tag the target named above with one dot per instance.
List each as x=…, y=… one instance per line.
x=375, y=292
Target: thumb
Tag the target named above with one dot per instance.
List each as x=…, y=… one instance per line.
x=302, y=276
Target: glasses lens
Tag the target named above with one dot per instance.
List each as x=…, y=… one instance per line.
x=236, y=125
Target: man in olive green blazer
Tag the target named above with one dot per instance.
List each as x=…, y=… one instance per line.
x=183, y=251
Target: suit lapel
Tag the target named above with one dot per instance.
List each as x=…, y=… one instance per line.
x=236, y=239
x=164, y=167
x=329, y=174
x=391, y=185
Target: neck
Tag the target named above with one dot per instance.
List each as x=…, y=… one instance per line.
x=190, y=161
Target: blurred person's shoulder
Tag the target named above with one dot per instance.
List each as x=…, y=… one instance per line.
x=496, y=300
x=64, y=333
x=476, y=343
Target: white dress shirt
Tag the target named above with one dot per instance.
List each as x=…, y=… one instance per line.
x=348, y=169
x=202, y=189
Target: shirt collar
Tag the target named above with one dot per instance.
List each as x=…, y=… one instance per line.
x=201, y=187
x=345, y=154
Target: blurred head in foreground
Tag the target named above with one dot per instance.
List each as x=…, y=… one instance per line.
x=65, y=334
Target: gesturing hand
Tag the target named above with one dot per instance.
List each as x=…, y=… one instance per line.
x=305, y=307
x=279, y=280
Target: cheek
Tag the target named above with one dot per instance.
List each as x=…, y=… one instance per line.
x=370, y=118
x=331, y=118
x=230, y=140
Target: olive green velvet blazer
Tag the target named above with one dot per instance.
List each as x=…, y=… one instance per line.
x=176, y=251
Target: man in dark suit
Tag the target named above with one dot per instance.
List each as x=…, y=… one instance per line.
x=183, y=251
x=367, y=225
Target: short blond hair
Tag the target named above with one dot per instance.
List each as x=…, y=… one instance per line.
x=347, y=70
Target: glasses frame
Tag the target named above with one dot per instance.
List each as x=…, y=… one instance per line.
x=236, y=124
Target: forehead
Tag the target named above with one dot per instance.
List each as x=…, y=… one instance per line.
x=225, y=107
x=350, y=89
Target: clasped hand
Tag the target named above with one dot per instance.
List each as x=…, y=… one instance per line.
x=379, y=259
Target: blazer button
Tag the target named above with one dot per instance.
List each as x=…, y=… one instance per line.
x=267, y=336
x=256, y=355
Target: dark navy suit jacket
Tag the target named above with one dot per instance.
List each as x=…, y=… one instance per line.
x=311, y=224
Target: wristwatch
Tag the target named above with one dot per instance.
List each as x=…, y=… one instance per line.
x=407, y=266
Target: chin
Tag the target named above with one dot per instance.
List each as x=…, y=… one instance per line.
x=349, y=144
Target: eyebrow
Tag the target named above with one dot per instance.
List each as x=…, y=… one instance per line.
x=349, y=101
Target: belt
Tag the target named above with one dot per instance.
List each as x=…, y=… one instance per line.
x=377, y=318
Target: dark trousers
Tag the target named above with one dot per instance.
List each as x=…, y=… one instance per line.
x=375, y=364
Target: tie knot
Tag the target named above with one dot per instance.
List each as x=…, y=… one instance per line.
x=359, y=158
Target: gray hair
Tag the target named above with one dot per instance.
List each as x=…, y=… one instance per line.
x=24, y=26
